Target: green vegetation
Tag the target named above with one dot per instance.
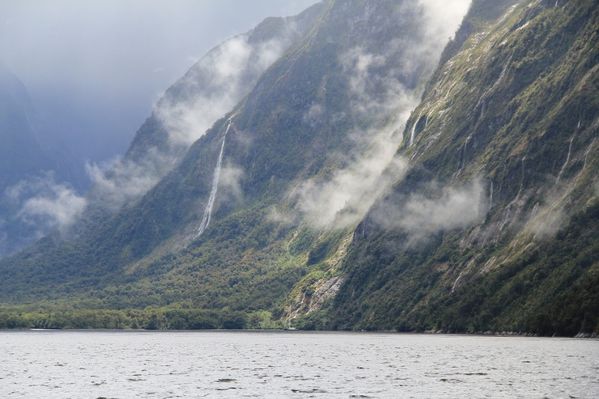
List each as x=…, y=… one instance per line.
x=148, y=318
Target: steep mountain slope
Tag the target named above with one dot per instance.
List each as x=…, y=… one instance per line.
x=345, y=88
x=495, y=225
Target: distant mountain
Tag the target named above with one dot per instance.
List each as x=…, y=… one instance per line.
x=364, y=175
x=20, y=153
x=25, y=164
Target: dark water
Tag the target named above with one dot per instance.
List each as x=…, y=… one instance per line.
x=52, y=364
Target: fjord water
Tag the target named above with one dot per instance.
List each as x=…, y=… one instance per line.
x=91, y=364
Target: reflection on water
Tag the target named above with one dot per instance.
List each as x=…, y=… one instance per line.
x=53, y=364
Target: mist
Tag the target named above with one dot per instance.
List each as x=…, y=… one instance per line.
x=434, y=209
x=46, y=204
x=345, y=197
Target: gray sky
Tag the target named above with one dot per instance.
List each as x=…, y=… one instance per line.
x=94, y=68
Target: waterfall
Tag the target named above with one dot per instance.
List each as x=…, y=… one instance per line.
x=414, y=129
x=491, y=196
x=559, y=175
x=523, y=175
x=587, y=152
x=215, y=179
x=463, y=160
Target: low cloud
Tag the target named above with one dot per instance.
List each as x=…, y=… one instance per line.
x=209, y=90
x=214, y=86
x=46, y=204
x=375, y=95
x=548, y=217
x=120, y=181
x=377, y=99
x=314, y=115
x=442, y=19
x=386, y=84
x=345, y=197
x=435, y=209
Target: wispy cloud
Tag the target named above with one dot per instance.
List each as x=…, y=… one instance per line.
x=119, y=181
x=382, y=94
x=442, y=19
x=46, y=204
x=435, y=209
x=344, y=198
x=214, y=86
x=210, y=89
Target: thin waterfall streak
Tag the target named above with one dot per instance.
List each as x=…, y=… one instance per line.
x=561, y=172
x=463, y=160
x=491, y=196
x=207, y=216
x=413, y=133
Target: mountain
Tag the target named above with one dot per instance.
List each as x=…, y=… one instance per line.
x=20, y=152
x=209, y=89
x=495, y=225
x=371, y=176
x=27, y=167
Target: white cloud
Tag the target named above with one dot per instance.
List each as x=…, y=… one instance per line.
x=442, y=19
x=214, y=86
x=344, y=198
x=546, y=221
x=120, y=181
x=47, y=204
x=206, y=93
x=439, y=209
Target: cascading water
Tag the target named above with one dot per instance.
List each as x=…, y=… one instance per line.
x=491, y=196
x=559, y=175
x=413, y=133
x=215, y=179
x=561, y=172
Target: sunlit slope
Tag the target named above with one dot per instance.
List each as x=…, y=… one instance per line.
x=503, y=185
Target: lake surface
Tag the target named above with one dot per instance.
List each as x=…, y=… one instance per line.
x=92, y=364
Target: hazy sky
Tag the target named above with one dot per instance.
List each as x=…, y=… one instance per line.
x=94, y=68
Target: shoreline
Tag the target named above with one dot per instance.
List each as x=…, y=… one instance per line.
x=505, y=334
